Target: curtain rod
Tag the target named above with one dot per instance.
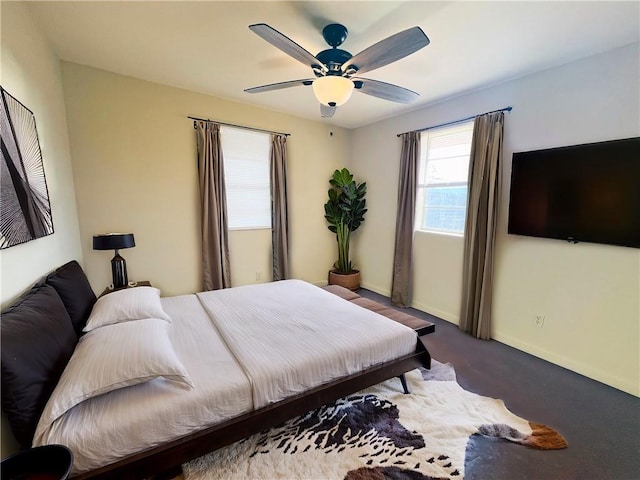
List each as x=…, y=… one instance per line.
x=508, y=109
x=237, y=126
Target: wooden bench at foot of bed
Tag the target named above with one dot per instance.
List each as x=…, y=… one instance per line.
x=423, y=327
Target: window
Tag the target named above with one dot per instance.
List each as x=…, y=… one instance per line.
x=247, y=179
x=442, y=178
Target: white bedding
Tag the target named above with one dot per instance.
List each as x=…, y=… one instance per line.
x=243, y=348
x=294, y=336
x=106, y=428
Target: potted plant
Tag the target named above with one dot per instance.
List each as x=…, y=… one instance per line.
x=344, y=212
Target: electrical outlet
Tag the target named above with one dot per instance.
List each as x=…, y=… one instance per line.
x=258, y=275
x=538, y=320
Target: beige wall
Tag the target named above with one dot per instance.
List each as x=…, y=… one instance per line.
x=31, y=73
x=250, y=252
x=135, y=170
x=590, y=294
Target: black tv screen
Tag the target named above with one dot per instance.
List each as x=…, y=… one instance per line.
x=581, y=193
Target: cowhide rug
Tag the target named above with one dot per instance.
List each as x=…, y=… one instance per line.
x=379, y=433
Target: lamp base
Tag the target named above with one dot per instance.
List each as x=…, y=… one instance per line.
x=119, y=271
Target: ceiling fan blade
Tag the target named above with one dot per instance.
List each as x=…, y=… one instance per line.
x=386, y=91
x=287, y=45
x=326, y=111
x=388, y=50
x=279, y=86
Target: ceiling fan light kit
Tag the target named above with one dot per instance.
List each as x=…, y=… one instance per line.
x=334, y=68
x=332, y=90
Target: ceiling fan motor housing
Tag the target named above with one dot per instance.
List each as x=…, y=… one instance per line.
x=334, y=58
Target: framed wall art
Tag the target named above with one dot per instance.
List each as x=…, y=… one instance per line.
x=25, y=210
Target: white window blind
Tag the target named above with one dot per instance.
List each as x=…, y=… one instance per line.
x=442, y=178
x=246, y=174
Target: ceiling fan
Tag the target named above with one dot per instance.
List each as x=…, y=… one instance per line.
x=335, y=69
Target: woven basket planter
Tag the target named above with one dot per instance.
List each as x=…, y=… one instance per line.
x=348, y=280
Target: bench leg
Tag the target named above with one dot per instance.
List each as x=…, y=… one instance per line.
x=403, y=380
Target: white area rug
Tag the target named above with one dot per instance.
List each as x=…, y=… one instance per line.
x=379, y=433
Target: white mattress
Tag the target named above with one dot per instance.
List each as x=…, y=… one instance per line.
x=243, y=348
x=104, y=429
x=293, y=336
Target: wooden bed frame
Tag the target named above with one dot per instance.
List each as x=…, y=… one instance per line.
x=53, y=313
x=168, y=458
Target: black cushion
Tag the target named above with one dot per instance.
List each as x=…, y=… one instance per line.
x=36, y=341
x=74, y=289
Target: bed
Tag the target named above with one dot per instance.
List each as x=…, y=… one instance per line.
x=240, y=360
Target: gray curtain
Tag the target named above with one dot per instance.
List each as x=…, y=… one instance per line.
x=480, y=225
x=216, y=272
x=279, y=212
x=401, y=288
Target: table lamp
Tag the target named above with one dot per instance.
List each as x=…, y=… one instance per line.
x=116, y=241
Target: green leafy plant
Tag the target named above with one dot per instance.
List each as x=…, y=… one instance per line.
x=345, y=211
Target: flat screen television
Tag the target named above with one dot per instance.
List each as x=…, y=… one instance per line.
x=581, y=193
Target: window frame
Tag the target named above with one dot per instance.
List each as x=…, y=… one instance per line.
x=422, y=184
x=264, y=160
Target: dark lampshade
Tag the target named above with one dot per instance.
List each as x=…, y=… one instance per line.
x=116, y=241
x=113, y=241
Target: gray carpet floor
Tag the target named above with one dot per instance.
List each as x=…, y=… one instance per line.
x=601, y=424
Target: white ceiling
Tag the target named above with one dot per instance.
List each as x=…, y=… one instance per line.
x=206, y=46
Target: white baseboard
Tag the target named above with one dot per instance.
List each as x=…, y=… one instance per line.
x=449, y=317
x=589, y=371
x=376, y=288
x=599, y=375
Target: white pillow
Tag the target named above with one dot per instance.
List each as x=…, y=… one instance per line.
x=114, y=357
x=126, y=305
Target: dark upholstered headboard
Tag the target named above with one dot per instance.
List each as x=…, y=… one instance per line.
x=38, y=335
x=72, y=285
